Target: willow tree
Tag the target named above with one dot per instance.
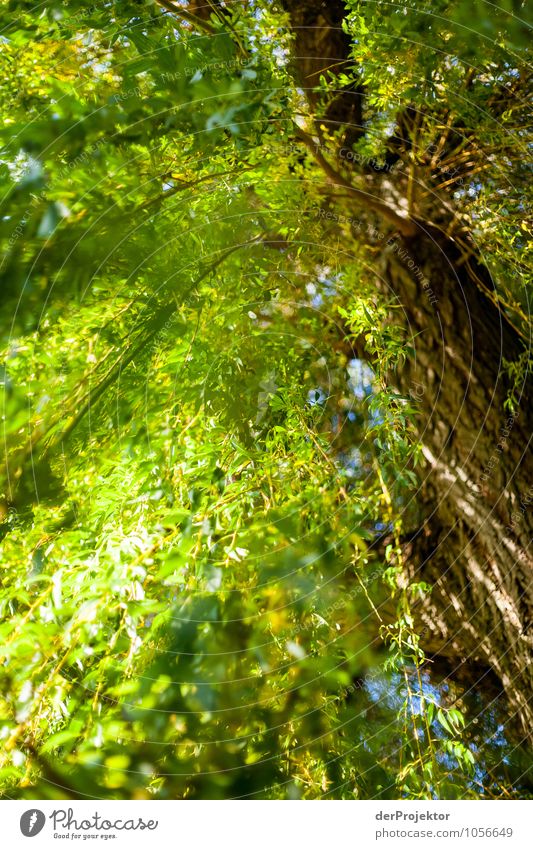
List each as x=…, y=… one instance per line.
x=452, y=106
x=266, y=385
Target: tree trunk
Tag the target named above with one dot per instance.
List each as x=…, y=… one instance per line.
x=478, y=482
x=474, y=547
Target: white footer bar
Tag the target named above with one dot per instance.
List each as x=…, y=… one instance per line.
x=268, y=825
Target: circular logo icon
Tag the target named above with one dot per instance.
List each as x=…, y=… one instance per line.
x=32, y=822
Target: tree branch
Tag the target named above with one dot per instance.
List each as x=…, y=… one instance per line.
x=406, y=226
x=187, y=16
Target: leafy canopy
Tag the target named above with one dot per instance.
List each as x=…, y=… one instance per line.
x=200, y=474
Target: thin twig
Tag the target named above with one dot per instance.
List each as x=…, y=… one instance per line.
x=406, y=226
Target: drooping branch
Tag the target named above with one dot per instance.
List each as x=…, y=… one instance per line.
x=44, y=434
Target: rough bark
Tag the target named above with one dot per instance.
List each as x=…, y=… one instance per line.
x=474, y=548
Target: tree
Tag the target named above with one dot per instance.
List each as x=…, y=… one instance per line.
x=474, y=422
x=266, y=398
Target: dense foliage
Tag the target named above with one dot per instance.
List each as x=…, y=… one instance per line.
x=205, y=487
